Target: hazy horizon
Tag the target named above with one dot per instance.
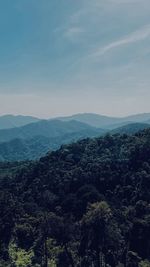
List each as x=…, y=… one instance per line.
x=70, y=115
x=60, y=58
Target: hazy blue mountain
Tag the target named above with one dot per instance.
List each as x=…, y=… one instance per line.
x=92, y=119
x=38, y=139
x=148, y=121
x=11, y=121
x=95, y=120
x=50, y=129
x=118, y=125
x=143, y=117
x=107, y=122
x=131, y=128
x=34, y=148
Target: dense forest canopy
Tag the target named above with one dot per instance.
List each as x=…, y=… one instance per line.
x=86, y=204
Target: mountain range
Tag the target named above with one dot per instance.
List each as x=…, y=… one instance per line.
x=32, y=138
x=107, y=122
x=36, y=146
x=95, y=120
x=50, y=129
x=12, y=121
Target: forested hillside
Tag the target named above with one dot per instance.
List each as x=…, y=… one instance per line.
x=28, y=145
x=84, y=205
x=37, y=146
x=50, y=129
x=130, y=128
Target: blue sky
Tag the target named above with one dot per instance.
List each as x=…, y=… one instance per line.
x=59, y=57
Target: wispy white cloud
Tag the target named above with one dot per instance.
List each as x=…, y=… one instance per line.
x=105, y=2
x=127, y=1
x=136, y=36
x=73, y=33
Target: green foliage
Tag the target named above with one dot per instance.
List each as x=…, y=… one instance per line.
x=86, y=204
x=97, y=214
x=20, y=257
x=144, y=264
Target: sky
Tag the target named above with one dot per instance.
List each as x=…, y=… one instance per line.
x=60, y=57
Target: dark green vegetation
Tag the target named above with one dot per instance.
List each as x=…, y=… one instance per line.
x=85, y=205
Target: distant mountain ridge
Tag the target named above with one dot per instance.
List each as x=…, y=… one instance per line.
x=35, y=139
x=50, y=129
x=38, y=146
x=94, y=120
x=107, y=122
x=12, y=121
x=20, y=149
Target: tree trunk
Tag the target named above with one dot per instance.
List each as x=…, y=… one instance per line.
x=69, y=256
x=45, y=254
x=98, y=260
